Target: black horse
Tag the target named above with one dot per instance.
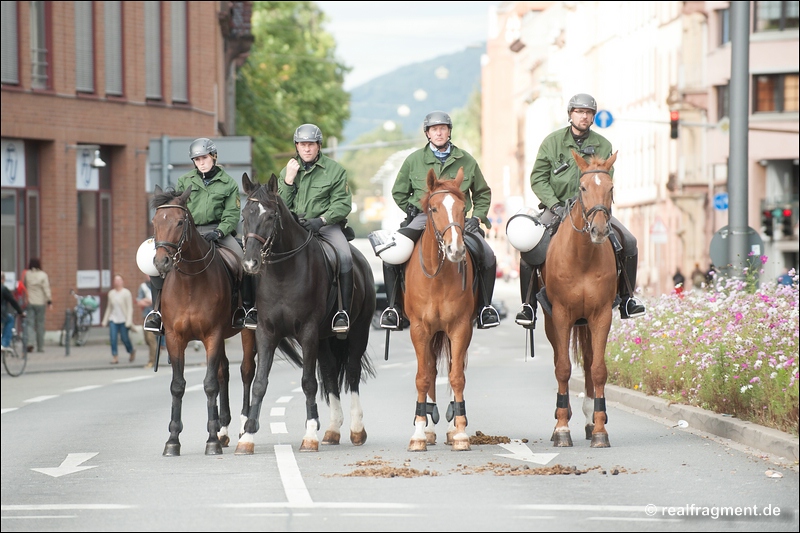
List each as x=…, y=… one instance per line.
x=296, y=300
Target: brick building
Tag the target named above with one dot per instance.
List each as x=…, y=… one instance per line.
x=87, y=80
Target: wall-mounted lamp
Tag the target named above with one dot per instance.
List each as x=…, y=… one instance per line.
x=97, y=162
x=763, y=162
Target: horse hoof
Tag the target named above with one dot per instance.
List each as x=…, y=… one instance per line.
x=430, y=438
x=224, y=440
x=589, y=428
x=331, y=437
x=562, y=439
x=309, y=446
x=461, y=445
x=358, y=438
x=449, y=439
x=172, y=450
x=417, y=446
x=245, y=448
x=213, y=448
x=600, y=440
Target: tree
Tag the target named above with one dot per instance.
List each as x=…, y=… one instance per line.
x=467, y=126
x=291, y=77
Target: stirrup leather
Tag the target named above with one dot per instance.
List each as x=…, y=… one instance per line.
x=337, y=316
x=487, y=325
x=386, y=318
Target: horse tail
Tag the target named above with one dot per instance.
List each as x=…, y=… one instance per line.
x=440, y=346
x=291, y=352
x=342, y=368
x=582, y=352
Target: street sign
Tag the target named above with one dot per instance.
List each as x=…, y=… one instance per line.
x=721, y=201
x=719, y=247
x=658, y=232
x=603, y=119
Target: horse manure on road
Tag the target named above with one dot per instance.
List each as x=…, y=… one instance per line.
x=380, y=468
x=480, y=438
x=505, y=469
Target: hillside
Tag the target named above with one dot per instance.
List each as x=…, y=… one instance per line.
x=377, y=101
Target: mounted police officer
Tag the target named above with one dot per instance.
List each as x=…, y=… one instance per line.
x=555, y=179
x=445, y=158
x=315, y=188
x=216, y=208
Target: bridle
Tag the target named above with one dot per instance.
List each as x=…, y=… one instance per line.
x=587, y=214
x=268, y=256
x=177, y=256
x=439, y=236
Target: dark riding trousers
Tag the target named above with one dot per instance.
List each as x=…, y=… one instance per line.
x=414, y=231
x=227, y=241
x=334, y=235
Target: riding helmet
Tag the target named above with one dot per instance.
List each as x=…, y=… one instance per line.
x=308, y=133
x=435, y=118
x=202, y=146
x=582, y=101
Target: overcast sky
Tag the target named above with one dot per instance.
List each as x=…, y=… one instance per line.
x=377, y=37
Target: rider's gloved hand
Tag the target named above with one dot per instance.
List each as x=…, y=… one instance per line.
x=472, y=224
x=558, y=210
x=213, y=236
x=313, y=224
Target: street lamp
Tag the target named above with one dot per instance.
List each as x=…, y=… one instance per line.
x=97, y=161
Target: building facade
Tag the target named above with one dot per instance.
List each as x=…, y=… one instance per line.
x=85, y=87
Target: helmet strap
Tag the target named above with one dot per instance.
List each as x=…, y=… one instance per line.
x=439, y=148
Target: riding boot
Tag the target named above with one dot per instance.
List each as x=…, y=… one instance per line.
x=152, y=322
x=246, y=315
x=488, y=317
x=391, y=316
x=525, y=316
x=341, y=320
x=630, y=307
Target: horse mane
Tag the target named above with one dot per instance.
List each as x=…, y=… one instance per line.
x=450, y=186
x=163, y=197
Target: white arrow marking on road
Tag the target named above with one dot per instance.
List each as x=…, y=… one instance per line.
x=38, y=399
x=69, y=466
x=520, y=451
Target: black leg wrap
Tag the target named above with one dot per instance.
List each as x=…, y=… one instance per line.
x=456, y=409
x=600, y=406
x=312, y=413
x=433, y=410
x=562, y=401
x=421, y=410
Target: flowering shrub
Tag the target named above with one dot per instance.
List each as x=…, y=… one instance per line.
x=732, y=349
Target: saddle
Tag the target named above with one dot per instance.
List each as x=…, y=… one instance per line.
x=332, y=267
x=233, y=266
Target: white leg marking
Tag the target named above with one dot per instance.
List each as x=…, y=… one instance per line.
x=588, y=410
x=337, y=416
x=356, y=413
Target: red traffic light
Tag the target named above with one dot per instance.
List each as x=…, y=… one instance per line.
x=674, y=115
x=787, y=213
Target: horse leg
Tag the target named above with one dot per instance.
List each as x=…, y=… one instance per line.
x=563, y=369
x=600, y=375
x=310, y=345
x=266, y=356
x=425, y=379
x=248, y=372
x=215, y=348
x=431, y=409
x=357, y=342
x=330, y=388
x=223, y=377
x=177, y=388
x=459, y=341
x=588, y=399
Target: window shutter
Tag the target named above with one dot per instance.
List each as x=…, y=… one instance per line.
x=152, y=49
x=112, y=15
x=179, y=52
x=10, y=43
x=84, y=47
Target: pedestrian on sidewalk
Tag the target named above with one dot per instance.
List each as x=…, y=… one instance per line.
x=119, y=318
x=144, y=300
x=8, y=302
x=37, y=284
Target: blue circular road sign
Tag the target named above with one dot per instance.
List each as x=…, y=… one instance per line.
x=603, y=119
x=721, y=201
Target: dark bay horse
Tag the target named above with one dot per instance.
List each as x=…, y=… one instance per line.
x=296, y=300
x=580, y=279
x=440, y=300
x=197, y=303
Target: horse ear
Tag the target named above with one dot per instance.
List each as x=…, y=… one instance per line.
x=582, y=165
x=460, y=177
x=185, y=196
x=431, y=180
x=247, y=185
x=610, y=161
x=272, y=184
x=158, y=189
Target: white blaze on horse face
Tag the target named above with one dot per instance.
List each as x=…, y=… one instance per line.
x=597, y=180
x=452, y=250
x=261, y=210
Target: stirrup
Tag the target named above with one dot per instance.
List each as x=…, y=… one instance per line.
x=341, y=328
x=525, y=316
x=237, y=322
x=251, y=318
x=632, y=308
x=390, y=318
x=493, y=319
x=153, y=323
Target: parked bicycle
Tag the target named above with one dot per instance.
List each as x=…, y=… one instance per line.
x=15, y=356
x=78, y=320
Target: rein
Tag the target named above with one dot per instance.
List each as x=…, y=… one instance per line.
x=587, y=215
x=269, y=257
x=177, y=256
x=439, y=236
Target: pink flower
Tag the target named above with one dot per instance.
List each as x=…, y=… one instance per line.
x=764, y=259
x=739, y=316
x=755, y=379
x=637, y=340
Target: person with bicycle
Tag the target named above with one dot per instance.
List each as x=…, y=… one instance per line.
x=8, y=318
x=37, y=283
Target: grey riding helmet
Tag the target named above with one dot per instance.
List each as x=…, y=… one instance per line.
x=435, y=118
x=202, y=146
x=581, y=101
x=308, y=133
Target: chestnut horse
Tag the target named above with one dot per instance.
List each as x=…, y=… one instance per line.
x=580, y=281
x=197, y=303
x=440, y=301
x=296, y=298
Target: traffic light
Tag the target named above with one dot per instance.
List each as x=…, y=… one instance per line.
x=787, y=227
x=766, y=222
x=674, y=116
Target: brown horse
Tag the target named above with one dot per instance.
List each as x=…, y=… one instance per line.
x=580, y=279
x=197, y=303
x=441, y=303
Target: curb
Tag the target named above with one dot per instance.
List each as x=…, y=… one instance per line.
x=756, y=436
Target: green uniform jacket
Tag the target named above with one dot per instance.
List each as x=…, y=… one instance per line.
x=217, y=203
x=411, y=184
x=554, y=150
x=321, y=191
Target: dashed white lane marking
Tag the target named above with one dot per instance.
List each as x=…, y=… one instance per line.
x=293, y=484
x=40, y=399
x=24, y=517
x=130, y=380
x=199, y=386
x=8, y=410
x=68, y=507
x=278, y=427
x=84, y=388
x=277, y=411
x=298, y=389
x=284, y=399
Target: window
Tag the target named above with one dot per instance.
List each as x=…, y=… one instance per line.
x=94, y=230
x=10, y=43
x=775, y=93
x=724, y=21
x=776, y=16
x=19, y=212
x=179, y=52
x=112, y=35
x=84, y=47
x=152, y=50
x=39, y=64
x=723, y=101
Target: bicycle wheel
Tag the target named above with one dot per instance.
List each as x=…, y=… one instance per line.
x=15, y=357
x=82, y=329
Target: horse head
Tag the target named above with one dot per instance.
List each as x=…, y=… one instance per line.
x=595, y=196
x=445, y=205
x=173, y=227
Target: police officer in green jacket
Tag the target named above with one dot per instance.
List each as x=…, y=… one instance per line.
x=445, y=158
x=314, y=187
x=555, y=179
x=216, y=208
